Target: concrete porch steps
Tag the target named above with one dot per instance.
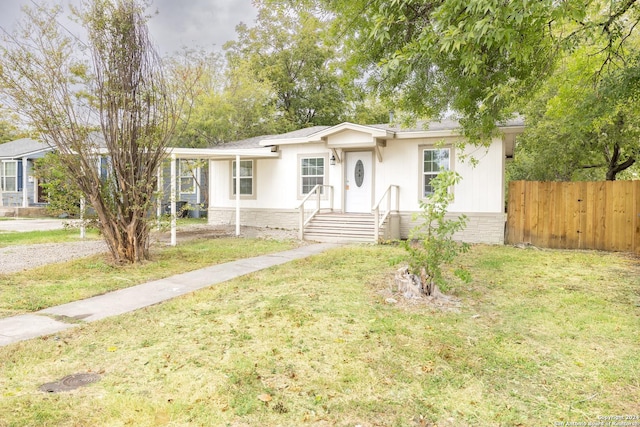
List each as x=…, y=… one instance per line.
x=341, y=228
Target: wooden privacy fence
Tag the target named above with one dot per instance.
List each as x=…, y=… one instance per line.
x=575, y=215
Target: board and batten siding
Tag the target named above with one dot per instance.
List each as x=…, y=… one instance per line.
x=481, y=189
x=480, y=195
x=275, y=181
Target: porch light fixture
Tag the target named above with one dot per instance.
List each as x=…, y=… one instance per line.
x=332, y=160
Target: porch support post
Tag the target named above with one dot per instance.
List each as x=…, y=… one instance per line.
x=173, y=199
x=159, y=196
x=198, y=186
x=83, y=229
x=25, y=189
x=237, y=195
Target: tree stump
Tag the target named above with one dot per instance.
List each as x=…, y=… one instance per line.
x=408, y=284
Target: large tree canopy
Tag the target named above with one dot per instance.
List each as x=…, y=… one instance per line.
x=477, y=58
x=287, y=50
x=114, y=100
x=229, y=103
x=579, y=126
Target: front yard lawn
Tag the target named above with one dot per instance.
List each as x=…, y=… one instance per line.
x=542, y=337
x=56, y=284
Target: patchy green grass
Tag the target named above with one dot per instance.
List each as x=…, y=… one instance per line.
x=60, y=283
x=37, y=237
x=543, y=337
x=72, y=233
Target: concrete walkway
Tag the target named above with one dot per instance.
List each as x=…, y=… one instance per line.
x=56, y=319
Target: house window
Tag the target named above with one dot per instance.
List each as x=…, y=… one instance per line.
x=246, y=177
x=104, y=168
x=312, y=172
x=9, y=175
x=187, y=177
x=434, y=161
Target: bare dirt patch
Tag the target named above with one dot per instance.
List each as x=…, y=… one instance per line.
x=203, y=231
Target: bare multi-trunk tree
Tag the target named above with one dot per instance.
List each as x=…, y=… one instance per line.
x=102, y=104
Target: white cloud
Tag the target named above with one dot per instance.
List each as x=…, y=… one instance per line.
x=194, y=23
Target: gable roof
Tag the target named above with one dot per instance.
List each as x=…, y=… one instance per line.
x=438, y=129
x=24, y=147
x=293, y=137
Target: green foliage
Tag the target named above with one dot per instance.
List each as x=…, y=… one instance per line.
x=288, y=50
x=9, y=131
x=430, y=244
x=62, y=194
x=107, y=94
x=477, y=58
x=580, y=127
x=227, y=103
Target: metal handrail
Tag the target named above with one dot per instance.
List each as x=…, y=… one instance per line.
x=314, y=190
x=376, y=209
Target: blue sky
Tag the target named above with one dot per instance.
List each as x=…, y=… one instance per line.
x=194, y=23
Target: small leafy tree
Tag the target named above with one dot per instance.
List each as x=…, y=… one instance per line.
x=106, y=98
x=63, y=195
x=430, y=244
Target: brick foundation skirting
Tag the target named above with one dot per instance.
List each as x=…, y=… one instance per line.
x=481, y=227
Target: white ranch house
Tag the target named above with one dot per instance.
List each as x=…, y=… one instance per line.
x=347, y=182
x=354, y=182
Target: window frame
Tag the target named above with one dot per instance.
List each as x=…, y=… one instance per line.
x=4, y=177
x=232, y=178
x=423, y=174
x=187, y=173
x=325, y=174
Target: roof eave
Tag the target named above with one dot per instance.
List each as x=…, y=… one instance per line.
x=222, y=154
x=26, y=154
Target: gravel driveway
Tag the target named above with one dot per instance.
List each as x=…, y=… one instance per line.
x=23, y=257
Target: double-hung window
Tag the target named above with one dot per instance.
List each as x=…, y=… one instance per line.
x=434, y=161
x=247, y=173
x=312, y=173
x=187, y=174
x=9, y=175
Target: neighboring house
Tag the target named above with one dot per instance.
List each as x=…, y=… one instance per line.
x=18, y=185
x=19, y=188
x=191, y=186
x=370, y=179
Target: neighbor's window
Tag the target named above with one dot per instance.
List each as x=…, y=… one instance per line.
x=187, y=174
x=312, y=173
x=434, y=161
x=9, y=175
x=246, y=177
x=104, y=167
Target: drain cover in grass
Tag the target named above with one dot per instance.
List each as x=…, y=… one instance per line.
x=70, y=382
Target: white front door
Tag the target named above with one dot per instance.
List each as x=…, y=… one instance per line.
x=358, y=181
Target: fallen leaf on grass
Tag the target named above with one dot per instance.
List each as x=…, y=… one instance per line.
x=265, y=397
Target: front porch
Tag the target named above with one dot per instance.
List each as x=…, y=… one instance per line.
x=320, y=224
